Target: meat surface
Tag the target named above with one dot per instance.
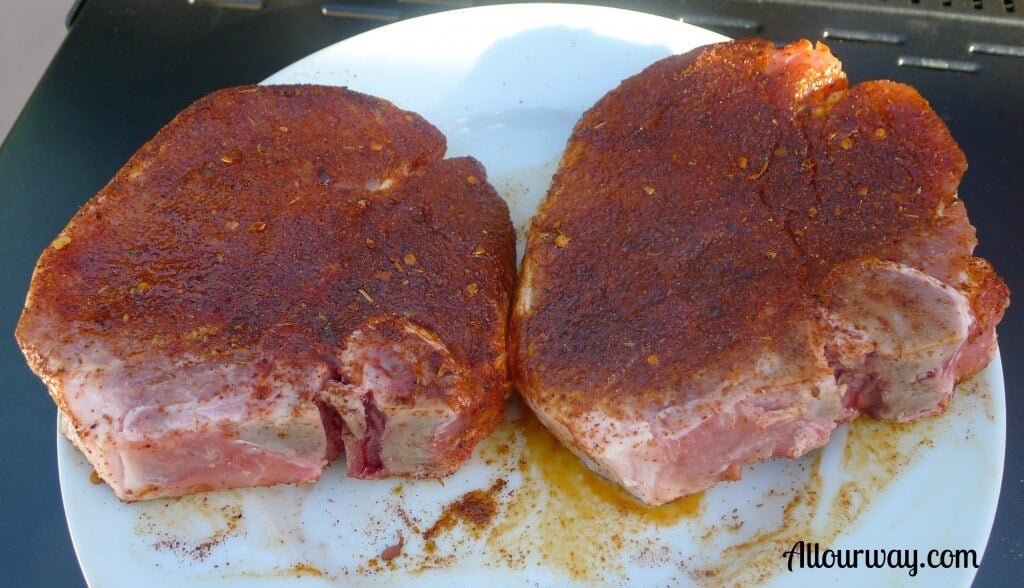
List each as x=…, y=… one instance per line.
x=280, y=272
x=739, y=252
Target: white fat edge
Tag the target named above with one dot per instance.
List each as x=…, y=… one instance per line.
x=952, y=323
x=199, y=405
x=524, y=292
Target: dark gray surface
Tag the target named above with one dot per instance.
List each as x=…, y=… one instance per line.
x=127, y=67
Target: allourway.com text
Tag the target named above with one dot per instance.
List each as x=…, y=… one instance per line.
x=811, y=555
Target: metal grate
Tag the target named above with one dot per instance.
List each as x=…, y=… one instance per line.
x=389, y=10
x=971, y=10
x=242, y=4
x=362, y=12
x=915, y=34
x=917, y=31
x=952, y=5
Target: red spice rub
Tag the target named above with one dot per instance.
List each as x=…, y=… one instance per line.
x=235, y=254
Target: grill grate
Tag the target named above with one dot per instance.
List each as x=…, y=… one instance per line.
x=969, y=6
x=1003, y=10
x=949, y=36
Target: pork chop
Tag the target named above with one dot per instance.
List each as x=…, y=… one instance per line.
x=280, y=272
x=739, y=252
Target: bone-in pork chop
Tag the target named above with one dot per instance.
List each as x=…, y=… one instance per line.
x=738, y=253
x=281, y=271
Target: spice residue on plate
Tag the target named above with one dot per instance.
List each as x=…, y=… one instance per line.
x=306, y=570
x=299, y=570
x=874, y=454
x=977, y=387
x=191, y=526
x=546, y=511
x=566, y=517
x=476, y=509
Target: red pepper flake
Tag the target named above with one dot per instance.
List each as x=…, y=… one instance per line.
x=376, y=146
x=409, y=259
x=846, y=143
x=472, y=288
x=742, y=162
x=227, y=159
x=653, y=360
x=649, y=190
x=283, y=129
x=479, y=250
x=472, y=181
x=880, y=133
x=258, y=227
x=561, y=241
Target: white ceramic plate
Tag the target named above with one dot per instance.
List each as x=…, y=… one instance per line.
x=506, y=84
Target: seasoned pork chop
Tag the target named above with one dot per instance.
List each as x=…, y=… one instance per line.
x=279, y=272
x=738, y=253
